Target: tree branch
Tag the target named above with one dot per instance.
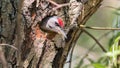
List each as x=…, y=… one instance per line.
x=100, y=45
x=9, y=46
x=71, y=54
x=89, y=50
x=99, y=28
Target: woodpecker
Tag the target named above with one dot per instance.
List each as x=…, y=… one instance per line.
x=53, y=24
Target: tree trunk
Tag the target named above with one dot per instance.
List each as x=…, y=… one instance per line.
x=17, y=28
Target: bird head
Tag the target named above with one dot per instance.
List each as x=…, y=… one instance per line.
x=53, y=24
x=56, y=24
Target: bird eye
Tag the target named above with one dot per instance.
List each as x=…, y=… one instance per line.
x=57, y=24
x=50, y=26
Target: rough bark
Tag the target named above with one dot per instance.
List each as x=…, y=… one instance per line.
x=16, y=28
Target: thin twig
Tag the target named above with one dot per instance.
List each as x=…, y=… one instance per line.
x=100, y=45
x=52, y=2
x=70, y=60
x=58, y=5
x=61, y=5
x=98, y=40
x=95, y=44
x=110, y=7
x=89, y=50
x=9, y=46
x=99, y=28
x=71, y=55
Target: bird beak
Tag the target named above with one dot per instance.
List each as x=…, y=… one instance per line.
x=61, y=32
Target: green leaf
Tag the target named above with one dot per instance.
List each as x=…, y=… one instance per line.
x=98, y=65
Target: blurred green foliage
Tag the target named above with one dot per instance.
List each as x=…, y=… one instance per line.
x=110, y=42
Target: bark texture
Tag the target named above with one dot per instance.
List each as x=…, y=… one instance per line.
x=18, y=25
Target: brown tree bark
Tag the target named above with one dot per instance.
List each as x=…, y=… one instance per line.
x=16, y=28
